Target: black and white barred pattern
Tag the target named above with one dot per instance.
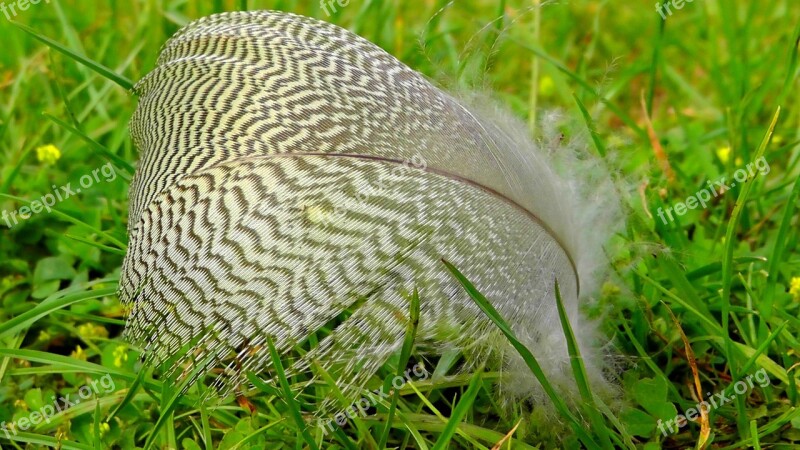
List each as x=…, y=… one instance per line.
x=291, y=170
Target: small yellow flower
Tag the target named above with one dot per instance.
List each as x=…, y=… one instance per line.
x=794, y=288
x=546, y=86
x=120, y=355
x=610, y=289
x=79, y=353
x=90, y=330
x=48, y=154
x=104, y=428
x=724, y=154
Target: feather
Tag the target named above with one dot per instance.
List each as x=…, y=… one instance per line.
x=291, y=171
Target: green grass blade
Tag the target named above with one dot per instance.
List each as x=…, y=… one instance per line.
x=98, y=443
x=97, y=67
x=754, y=435
x=46, y=308
x=94, y=145
x=46, y=441
x=581, y=378
x=363, y=431
x=527, y=356
x=598, y=143
x=206, y=423
x=288, y=396
x=172, y=396
x=105, y=248
x=15, y=343
x=73, y=220
x=129, y=396
x=459, y=412
x=259, y=384
x=405, y=355
x=777, y=253
x=727, y=272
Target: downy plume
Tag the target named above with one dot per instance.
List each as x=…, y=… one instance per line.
x=293, y=173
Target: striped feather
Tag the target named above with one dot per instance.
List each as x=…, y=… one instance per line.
x=291, y=171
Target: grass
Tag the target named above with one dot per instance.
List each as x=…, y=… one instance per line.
x=673, y=104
